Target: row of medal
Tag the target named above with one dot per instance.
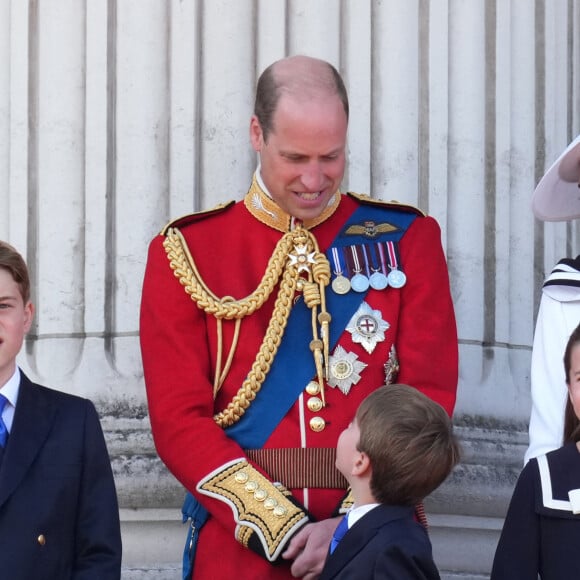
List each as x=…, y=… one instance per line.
x=358, y=267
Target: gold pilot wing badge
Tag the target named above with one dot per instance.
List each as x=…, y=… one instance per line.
x=370, y=229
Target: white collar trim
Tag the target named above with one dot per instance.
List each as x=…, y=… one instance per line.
x=546, y=481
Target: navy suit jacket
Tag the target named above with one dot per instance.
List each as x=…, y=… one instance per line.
x=386, y=543
x=59, y=518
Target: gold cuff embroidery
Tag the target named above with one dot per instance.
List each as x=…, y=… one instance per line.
x=259, y=506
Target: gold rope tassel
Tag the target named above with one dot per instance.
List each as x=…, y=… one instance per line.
x=314, y=297
x=294, y=254
x=318, y=277
x=321, y=274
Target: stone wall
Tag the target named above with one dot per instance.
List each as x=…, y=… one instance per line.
x=117, y=115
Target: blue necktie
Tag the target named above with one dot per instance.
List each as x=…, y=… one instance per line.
x=341, y=529
x=3, y=430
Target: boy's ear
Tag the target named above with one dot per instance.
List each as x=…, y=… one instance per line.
x=361, y=464
x=28, y=315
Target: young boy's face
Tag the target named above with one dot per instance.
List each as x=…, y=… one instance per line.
x=346, y=449
x=15, y=321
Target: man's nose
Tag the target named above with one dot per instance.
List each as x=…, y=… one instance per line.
x=313, y=177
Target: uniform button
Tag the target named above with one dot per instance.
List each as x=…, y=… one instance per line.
x=41, y=540
x=313, y=388
x=251, y=486
x=314, y=404
x=241, y=477
x=317, y=424
x=280, y=511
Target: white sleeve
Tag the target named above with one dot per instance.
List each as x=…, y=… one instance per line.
x=556, y=321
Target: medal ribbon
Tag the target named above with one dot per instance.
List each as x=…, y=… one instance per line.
x=382, y=256
x=365, y=252
x=393, y=251
x=337, y=262
x=349, y=262
x=356, y=259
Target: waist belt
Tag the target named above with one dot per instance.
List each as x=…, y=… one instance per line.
x=297, y=468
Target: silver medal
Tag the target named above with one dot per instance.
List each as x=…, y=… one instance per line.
x=396, y=278
x=378, y=281
x=359, y=283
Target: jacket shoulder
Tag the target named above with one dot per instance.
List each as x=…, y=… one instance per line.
x=365, y=199
x=191, y=218
x=49, y=394
x=60, y=397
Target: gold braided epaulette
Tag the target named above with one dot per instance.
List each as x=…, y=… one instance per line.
x=392, y=204
x=193, y=217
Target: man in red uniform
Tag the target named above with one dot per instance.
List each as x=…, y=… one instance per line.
x=264, y=323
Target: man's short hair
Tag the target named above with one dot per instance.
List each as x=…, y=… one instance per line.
x=410, y=443
x=14, y=263
x=271, y=85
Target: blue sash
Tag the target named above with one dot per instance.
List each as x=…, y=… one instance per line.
x=293, y=366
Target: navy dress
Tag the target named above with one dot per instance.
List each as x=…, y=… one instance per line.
x=541, y=534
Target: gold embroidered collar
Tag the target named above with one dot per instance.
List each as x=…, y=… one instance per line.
x=266, y=210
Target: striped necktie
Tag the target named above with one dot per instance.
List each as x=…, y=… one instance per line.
x=341, y=529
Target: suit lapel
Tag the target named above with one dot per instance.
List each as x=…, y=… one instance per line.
x=360, y=534
x=33, y=420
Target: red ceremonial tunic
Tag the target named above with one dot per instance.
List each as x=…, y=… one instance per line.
x=231, y=249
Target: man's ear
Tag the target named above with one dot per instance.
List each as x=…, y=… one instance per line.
x=256, y=134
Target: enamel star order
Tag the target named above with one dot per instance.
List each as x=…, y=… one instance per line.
x=367, y=327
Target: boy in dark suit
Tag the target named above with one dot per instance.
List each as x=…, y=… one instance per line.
x=59, y=518
x=397, y=450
